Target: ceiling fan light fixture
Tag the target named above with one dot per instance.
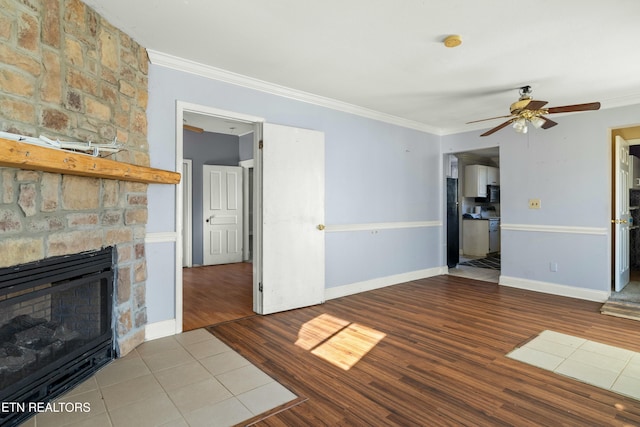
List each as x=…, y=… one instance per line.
x=537, y=122
x=520, y=125
x=528, y=110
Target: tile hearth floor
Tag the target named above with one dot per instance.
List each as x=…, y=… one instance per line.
x=590, y=362
x=191, y=379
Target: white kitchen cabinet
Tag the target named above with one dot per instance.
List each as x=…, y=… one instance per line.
x=475, y=180
x=493, y=176
x=480, y=237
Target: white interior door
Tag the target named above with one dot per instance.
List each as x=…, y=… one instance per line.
x=292, y=218
x=623, y=218
x=222, y=214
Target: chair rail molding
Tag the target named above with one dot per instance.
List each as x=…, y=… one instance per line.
x=565, y=229
x=335, y=228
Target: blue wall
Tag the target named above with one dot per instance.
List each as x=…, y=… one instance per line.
x=375, y=172
x=246, y=146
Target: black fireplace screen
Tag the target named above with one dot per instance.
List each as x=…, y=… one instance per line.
x=55, y=327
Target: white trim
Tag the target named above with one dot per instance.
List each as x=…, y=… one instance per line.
x=161, y=237
x=245, y=165
x=598, y=231
x=381, y=282
x=165, y=328
x=555, y=289
x=214, y=112
x=187, y=66
x=380, y=226
x=187, y=218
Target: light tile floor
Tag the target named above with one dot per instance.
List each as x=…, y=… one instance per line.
x=484, y=274
x=191, y=379
x=594, y=363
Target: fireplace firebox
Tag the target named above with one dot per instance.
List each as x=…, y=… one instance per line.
x=56, y=328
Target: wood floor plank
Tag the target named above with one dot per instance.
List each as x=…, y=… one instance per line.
x=216, y=293
x=442, y=360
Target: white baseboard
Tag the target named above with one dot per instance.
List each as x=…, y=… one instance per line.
x=162, y=329
x=555, y=289
x=381, y=282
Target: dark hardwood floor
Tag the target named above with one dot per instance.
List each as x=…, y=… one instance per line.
x=431, y=353
x=216, y=293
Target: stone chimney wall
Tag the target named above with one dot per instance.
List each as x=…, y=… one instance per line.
x=66, y=73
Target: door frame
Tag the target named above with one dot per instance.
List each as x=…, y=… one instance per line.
x=246, y=166
x=181, y=108
x=187, y=208
x=446, y=171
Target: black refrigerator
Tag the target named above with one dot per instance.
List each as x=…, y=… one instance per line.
x=453, y=223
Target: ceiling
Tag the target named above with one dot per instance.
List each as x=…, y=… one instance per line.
x=216, y=125
x=388, y=56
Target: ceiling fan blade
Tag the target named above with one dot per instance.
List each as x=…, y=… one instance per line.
x=535, y=105
x=577, y=107
x=547, y=123
x=497, y=128
x=193, y=128
x=491, y=118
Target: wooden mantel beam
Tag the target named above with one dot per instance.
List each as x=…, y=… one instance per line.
x=33, y=157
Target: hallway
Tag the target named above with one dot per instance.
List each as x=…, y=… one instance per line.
x=216, y=294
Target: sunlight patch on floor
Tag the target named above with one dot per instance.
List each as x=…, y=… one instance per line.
x=319, y=330
x=338, y=341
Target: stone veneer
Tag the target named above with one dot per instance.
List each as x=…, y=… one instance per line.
x=67, y=73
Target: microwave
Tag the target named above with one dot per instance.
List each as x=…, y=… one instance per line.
x=493, y=195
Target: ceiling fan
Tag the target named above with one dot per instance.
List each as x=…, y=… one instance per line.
x=528, y=110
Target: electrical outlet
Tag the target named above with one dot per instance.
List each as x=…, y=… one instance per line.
x=534, y=204
x=553, y=267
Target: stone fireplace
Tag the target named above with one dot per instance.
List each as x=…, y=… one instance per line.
x=67, y=73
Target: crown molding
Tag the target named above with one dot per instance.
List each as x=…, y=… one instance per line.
x=202, y=70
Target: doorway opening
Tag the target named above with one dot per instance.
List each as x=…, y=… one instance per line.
x=288, y=213
x=473, y=214
x=625, y=210
x=215, y=151
x=624, y=300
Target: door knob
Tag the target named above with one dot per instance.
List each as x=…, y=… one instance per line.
x=621, y=221
x=320, y=227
